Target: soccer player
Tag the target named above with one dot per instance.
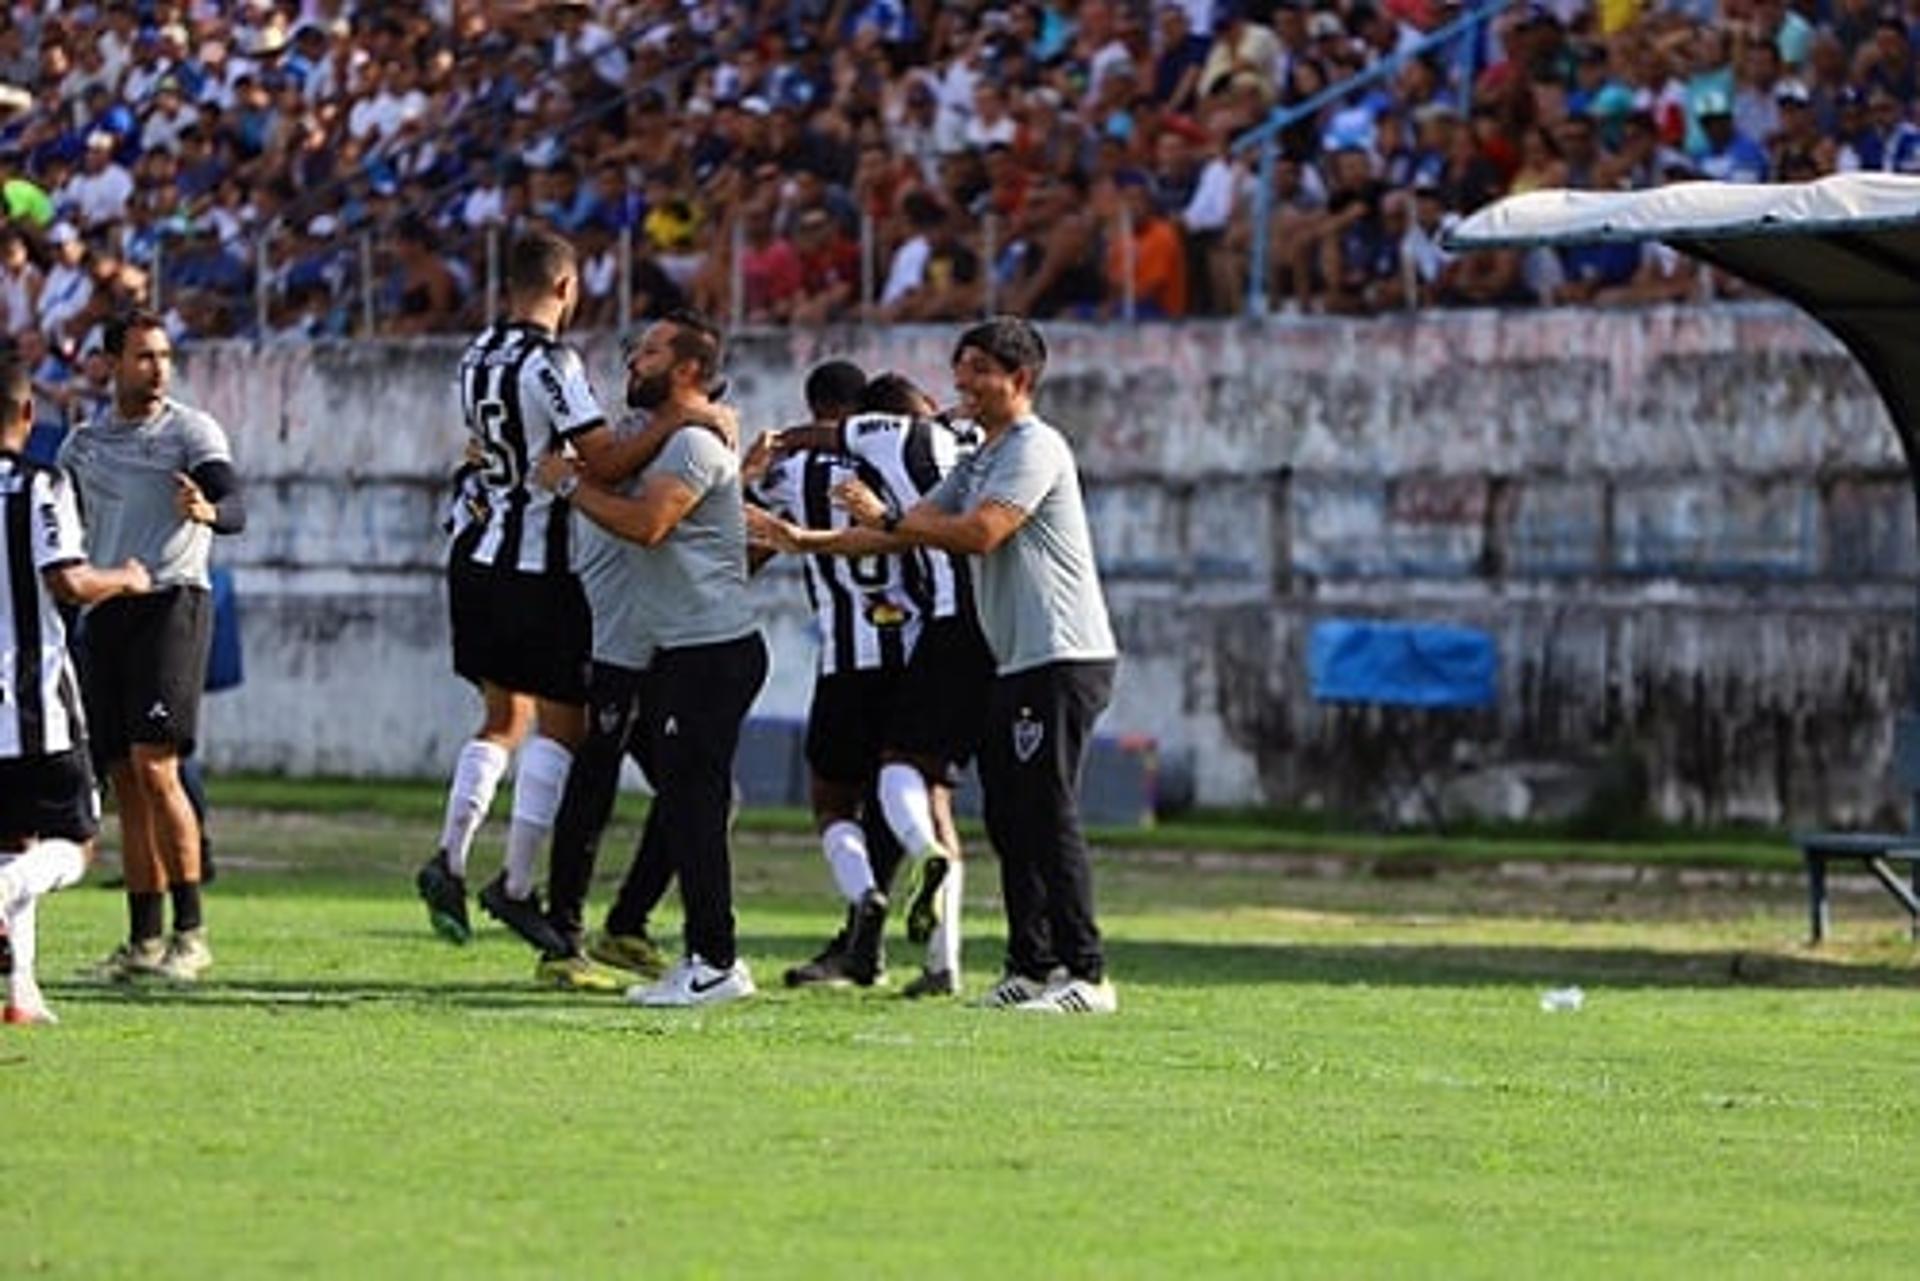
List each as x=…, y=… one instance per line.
x=49, y=810
x=867, y=620
x=156, y=483
x=521, y=628
x=708, y=660
x=904, y=451
x=1014, y=505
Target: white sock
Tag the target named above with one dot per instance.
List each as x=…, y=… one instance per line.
x=23, y=989
x=476, y=776
x=905, y=801
x=537, y=788
x=943, y=949
x=845, y=846
x=48, y=865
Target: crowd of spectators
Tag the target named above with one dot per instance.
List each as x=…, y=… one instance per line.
x=319, y=168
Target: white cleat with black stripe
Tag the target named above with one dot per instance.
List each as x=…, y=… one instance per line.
x=1015, y=990
x=1075, y=996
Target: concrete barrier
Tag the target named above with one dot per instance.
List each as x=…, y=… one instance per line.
x=1691, y=531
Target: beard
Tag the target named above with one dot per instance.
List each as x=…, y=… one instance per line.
x=648, y=391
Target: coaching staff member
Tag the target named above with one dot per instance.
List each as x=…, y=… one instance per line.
x=708, y=659
x=156, y=483
x=1014, y=505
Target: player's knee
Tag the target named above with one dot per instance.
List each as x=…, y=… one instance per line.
x=154, y=768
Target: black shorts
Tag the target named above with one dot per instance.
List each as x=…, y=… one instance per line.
x=143, y=663
x=848, y=722
x=941, y=708
x=529, y=633
x=48, y=796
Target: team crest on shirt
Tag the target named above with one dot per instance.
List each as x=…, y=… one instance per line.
x=1028, y=734
x=882, y=612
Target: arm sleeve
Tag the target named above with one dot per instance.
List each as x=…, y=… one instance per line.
x=58, y=538
x=950, y=495
x=695, y=459
x=1026, y=471
x=205, y=442
x=222, y=488
x=556, y=382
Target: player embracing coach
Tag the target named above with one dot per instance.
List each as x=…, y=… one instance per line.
x=1015, y=506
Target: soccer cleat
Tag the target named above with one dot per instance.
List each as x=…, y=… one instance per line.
x=187, y=956
x=1017, y=989
x=28, y=1015
x=133, y=960
x=446, y=898
x=865, y=961
x=931, y=983
x=828, y=968
x=923, y=901
x=574, y=974
x=694, y=982
x=1075, y=996
x=635, y=952
x=523, y=916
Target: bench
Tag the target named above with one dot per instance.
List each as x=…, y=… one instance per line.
x=1878, y=851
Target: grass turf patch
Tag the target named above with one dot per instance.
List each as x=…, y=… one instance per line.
x=1308, y=1076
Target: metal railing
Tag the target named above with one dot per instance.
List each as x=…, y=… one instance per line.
x=1265, y=137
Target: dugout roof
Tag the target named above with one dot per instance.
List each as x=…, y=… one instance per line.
x=1845, y=249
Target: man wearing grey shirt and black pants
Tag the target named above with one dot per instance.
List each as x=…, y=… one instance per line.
x=708, y=660
x=1015, y=506
x=156, y=482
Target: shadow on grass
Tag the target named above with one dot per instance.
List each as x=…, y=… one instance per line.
x=1183, y=964
x=1145, y=962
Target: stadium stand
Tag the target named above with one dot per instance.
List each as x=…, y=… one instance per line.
x=305, y=169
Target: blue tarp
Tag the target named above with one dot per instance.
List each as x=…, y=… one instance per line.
x=1402, y=664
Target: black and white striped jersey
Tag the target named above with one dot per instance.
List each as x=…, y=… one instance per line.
x=912, y=456
x=522, y=393
x=863, y=606
x=39, y=530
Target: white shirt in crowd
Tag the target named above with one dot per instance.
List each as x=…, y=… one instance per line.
x=907, y=270
x=98, y=197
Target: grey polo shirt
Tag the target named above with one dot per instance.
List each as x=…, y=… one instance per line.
x=691, y=589
x=1038, y=593
x=610, y=572
x=125, y=476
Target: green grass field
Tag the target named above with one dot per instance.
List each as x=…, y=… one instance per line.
x=1310, y=1075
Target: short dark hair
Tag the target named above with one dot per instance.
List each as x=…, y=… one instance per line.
x=113, y=336
x=891, y=394
x=1009, y=341
x=834, y=387
x=696, y=338
x=537, y=260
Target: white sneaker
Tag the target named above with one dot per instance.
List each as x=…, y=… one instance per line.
x=187, y=956
x=1015, y=990
x=1075, y=996
x=694, y=982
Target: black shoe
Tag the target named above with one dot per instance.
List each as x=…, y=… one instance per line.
x=446, y=898
x=923, y=909
x=523, y=916
x=930, y=983
x=865, y=959
x=829, y=968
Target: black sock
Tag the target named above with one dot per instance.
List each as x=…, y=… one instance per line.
x=143, y=916
x=186, y=907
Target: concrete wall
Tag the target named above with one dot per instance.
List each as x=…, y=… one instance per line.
x=1691, y=531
